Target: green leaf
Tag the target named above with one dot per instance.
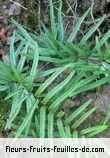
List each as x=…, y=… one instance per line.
x=68, y=131
x=24, y=33
x=75, y=134
x=37, y=126
x=93, y=130
x=98, y=48
x=58, y=88
x=27, y=119
x=19, y=48
x=5, y=73
x=92, y=30
x=46, y=73
x=35, y=63
x=16, y=74
x=60, y=22
x=107, y=118
x=77, y=112
x=11, y=94
x=17, y=103
x=61, y=129
x=30, y=101
x=105, y=37
x=98, y=131
x=50, y=125
x=93, y=85
x=49, y=80
x=77, y=27
x=12, y=51
x=83, y=118
x=52, y=19
x=3, y=87
x=42, y=122
x=57, y=103
x=22, y=59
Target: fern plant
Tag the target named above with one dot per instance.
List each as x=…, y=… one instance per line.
x=37, y=107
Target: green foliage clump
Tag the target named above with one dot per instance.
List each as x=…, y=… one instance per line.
x=36, y=102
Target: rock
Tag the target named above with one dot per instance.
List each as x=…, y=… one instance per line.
x=14, y=9
x=11, y=8
x=102, y=102
x=103, y=99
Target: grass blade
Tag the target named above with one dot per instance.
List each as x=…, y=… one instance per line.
x=22, y=59
x=60, y=22
x=26, y=120
x=93, y=85
x=50, y=125
x=35, y=63
x=18, y=100
x=83, y=118
x=95, y=129
x=68, y=131
x=12, y=51
x=77, y=27
x=3, y=87
x=61, y=129
x=105, y=37
x=75, y=134
x=77, y=112
x=58, y=88
x=42, y=121
x=52, y=19
x=92, y=30
x=49, y=80
x=98, y=48
x=23, y=32
x=107, y=118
